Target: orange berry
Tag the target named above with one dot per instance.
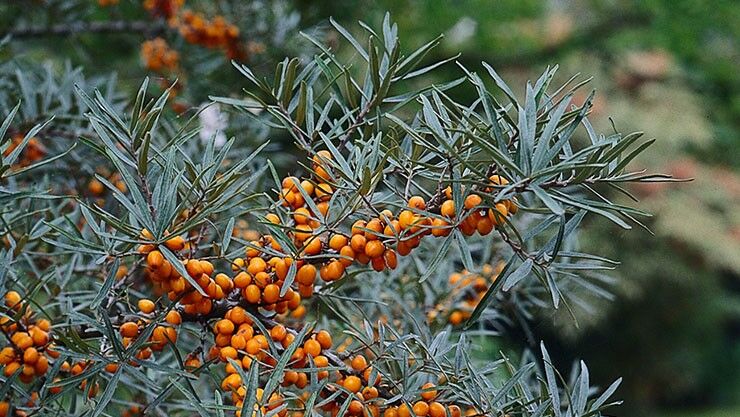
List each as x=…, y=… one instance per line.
x=369, y=393
x=207, y=267
x=176, y=243
x=193, y=267
x=428, y=393
x=312, y=247
x=7, y=354
x=367, y=374
x=406, y=219
x=374, y=249
x=456, y=318
x=242, y=279
x=337, y=242
x=447, y=208
x=417, y=202
x=324, y=339
x=228, y=352
x=302, y=215
x=278, y=333
x=223, y=281
x=271, y=294
x=303, y=232
x=154, y=259
x=12, y=299
x=30, y=356
x=289, y=183
x=404, y=410
x=146, y=306
x=323, y=207
x=374, y=228
x=358, y=227
x=11, y=368
x=421, y=408
x=352, y=383
x=129, y=329
x=357, y=243
x=256, y=265
x=498, y=180
x=348, y=256
x=378, y=263
x=272, y=218
x=359, y=363
x=437, y=410
x=42, y=365
x=238, y=316
x=307, y=187
x=332, y=271
x=43, y=324
x=484, y=226
x=312, y=347
x=472, y=201
x=306, y=274
x=224, y=326
x=253, y=346
x=323, y=190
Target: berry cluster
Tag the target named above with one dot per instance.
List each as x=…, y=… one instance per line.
x=216, y=33
x=259, y=278
x=30, y=350
x=162, y=335
x=466, y=291
x=379, y=240
x=163, y=8
x=157, y=56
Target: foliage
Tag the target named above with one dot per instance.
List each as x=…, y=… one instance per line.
x=156, y=271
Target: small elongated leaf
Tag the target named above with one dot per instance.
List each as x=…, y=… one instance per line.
x=552, y=385
x=107, y=284
x=110, y=389
x=519, y=274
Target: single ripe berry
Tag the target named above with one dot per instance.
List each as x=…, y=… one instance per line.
x=146, y=306
x=427, y=392
x=306, y=274
x=324, y=339
x=359, y=363
x=352, y=383
x=312, y=347
x=129, y=329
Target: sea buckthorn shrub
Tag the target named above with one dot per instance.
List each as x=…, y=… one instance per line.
x=154, y=273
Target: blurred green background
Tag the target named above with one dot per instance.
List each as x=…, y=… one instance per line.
x=670, y=68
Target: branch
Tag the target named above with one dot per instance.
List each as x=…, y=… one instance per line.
x=106, y=27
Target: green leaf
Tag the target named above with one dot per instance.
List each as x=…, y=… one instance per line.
x=350, y=38
x=227, y=236
x=110, y=389
x=552, y=385
x=519, y=273
x=107, y=284
x=549, y=201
